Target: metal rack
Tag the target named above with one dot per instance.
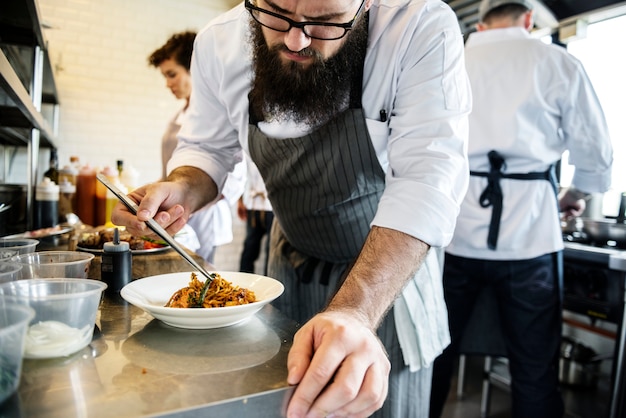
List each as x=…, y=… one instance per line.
x=26, y=83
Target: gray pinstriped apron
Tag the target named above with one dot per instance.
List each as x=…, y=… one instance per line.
x=324, y=188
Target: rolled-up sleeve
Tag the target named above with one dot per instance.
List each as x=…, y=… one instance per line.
x=428, y=171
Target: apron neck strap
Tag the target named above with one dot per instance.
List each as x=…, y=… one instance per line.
x=356, y=89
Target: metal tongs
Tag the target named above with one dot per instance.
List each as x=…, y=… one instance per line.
x=154, y=226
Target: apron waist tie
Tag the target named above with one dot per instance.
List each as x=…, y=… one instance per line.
x=492, y=195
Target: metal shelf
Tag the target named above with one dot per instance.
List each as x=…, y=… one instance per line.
x=26, y=82
x=17, y=111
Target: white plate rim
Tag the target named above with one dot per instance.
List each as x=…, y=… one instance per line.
x=26, y=234
x=99, y=251
x=198, y=318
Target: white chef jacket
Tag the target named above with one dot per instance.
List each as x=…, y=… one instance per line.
x=549, y=107
x=213, y=224
x=414, y=70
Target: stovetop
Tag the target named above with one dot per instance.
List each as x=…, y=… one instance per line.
x=610, y=256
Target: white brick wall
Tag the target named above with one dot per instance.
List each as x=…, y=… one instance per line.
x=113, y=104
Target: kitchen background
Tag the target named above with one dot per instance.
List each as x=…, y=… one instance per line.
x=113, y=105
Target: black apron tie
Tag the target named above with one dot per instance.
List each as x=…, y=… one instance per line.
x=492, y=195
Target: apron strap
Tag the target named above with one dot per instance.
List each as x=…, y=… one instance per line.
x=492, y=195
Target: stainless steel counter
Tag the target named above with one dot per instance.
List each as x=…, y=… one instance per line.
x=137, y=366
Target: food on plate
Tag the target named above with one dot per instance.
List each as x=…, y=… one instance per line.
x=215, y=293
x=43, y=232
x=96, y=239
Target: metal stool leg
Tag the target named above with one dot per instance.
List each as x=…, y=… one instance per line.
x=486, y=392
x=460, y=384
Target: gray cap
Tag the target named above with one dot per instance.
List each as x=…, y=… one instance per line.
x=488, y=5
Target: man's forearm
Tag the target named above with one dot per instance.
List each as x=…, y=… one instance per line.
x=387, y=261
x=200, y=186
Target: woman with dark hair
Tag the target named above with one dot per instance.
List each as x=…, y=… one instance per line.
x=173, y=60
x=213, y=223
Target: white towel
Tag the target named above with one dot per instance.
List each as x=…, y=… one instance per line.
x=188, y=238
x=421, y=316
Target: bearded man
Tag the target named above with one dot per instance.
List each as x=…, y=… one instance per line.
x=355, y=113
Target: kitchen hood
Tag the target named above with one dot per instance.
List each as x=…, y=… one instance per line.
x=549, y=14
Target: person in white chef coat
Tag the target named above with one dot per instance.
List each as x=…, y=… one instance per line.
x=355, y=113
x=255, y=209
x=211, y=226
x=531, y=102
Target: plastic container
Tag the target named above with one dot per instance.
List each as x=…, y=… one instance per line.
x=65, y=313
x=54, y=264
x=68, y=173
x=116, y=266
x=5, y=255
x=67, y=191
x=14, y=320
x=101, y=195
x=112, y=201
x=46, y=204
x=75, y=162
x=9, y=271
x=85, y=206
x=18, y=245
x=130, y=178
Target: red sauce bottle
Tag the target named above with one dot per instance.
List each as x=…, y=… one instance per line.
x=86, y=195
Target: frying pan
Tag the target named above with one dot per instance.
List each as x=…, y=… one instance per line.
x=597, y=230
x=602, y=230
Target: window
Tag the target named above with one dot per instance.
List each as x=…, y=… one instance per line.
x=601, y=52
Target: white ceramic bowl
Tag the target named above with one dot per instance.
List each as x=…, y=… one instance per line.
x=152, y=293
x=65, y=313
x=51, y=264
x=14, y=319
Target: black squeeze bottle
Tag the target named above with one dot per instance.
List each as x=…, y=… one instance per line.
x=53, y=172
x=46, y=204
x=116, y=266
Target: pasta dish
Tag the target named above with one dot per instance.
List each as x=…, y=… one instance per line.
x=215, y=293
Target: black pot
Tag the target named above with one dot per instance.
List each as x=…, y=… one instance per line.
x=579, y=365
x=12, y=208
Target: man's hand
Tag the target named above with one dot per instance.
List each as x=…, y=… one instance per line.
x=339, y=364
x=153, y=201
x=169, y=202
x=572, y=203
x=340, y=367
x=242, y=211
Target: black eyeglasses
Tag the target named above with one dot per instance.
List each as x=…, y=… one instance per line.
x=317, y=30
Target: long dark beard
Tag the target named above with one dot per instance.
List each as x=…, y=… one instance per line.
x=312, y=95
